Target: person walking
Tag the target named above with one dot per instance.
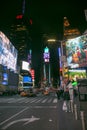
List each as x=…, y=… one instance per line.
x=66, y=97
x=71, y=93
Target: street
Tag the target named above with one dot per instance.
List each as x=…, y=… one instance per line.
x=29, y=113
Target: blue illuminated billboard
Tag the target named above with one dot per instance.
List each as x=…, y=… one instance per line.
x=4, y=79
x=27, y=79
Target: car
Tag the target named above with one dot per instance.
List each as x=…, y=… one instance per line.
x=31, y=93
x=46, y=92
x=23, y=94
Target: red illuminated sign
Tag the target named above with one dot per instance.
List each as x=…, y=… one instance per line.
x=32, y=73
x=19, y=16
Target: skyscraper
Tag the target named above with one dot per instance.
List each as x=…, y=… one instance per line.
x=20, y=34
x=68, y=31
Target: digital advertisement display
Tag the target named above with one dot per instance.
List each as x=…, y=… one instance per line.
x=46, y=57
x=76, y=52
x=27, y=79
x=25, y=66
x=60, y=62
x=77, y=73
x=8, y=53
x=5, y=79
x=46, y=54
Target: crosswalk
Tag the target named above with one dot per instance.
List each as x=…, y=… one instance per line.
x=29, y=100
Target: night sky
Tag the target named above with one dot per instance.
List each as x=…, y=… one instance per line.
x=47, y=17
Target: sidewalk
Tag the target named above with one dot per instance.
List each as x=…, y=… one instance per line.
x=82, y=107
x=67, y=120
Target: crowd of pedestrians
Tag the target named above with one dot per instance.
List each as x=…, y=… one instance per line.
x=67, y=91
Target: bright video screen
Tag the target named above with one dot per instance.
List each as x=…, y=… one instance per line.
x=5, y=79
x=25, y=66
x=76, y=51
x=46, y=57
x=27, y=79
x=77, y=73
x=8, y=53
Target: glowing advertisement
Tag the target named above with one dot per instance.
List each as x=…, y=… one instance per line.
x=27, y=79
x=60, y=62
x=76, y=52
x=8, y=53
x=77, y=73
x=46, y=54
x=25, y=66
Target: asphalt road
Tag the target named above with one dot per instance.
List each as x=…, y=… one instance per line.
x=33, y=113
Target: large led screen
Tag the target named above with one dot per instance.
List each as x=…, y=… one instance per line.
x=25, y=66
x=76, y=52
x=5, y=79
x=77, y=73
x=8, y=53
x=27, y=79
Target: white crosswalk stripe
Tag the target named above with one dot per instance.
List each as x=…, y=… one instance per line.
x=55, y=100
x=29, y=100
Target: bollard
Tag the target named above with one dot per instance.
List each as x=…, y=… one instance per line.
x=83, y=121
x=75, y=110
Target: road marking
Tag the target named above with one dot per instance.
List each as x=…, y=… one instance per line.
x=38, y=101
x=16, y=100
x=43, y=106
x=49, y=101
x=31, y=100
x=44, y=100
x=14, y=116
x=50, y=120
x=55, y=100
x=28, y=107
x=26, y=120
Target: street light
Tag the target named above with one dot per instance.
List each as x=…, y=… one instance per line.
x=59, y=41
x=51, y=40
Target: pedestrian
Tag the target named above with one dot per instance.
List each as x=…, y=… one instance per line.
x=58, y=93
x=66, y=96
x=71, y=93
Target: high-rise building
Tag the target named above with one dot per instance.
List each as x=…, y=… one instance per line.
x=20, y=34
x=20, y=38
x=68, y=31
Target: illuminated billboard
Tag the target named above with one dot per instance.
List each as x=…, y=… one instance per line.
x=27, y=79
x=5, y=79
x=77, y=73
x=8, y=53
x=25, y=66
x=76, y=52
x=46, y=54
